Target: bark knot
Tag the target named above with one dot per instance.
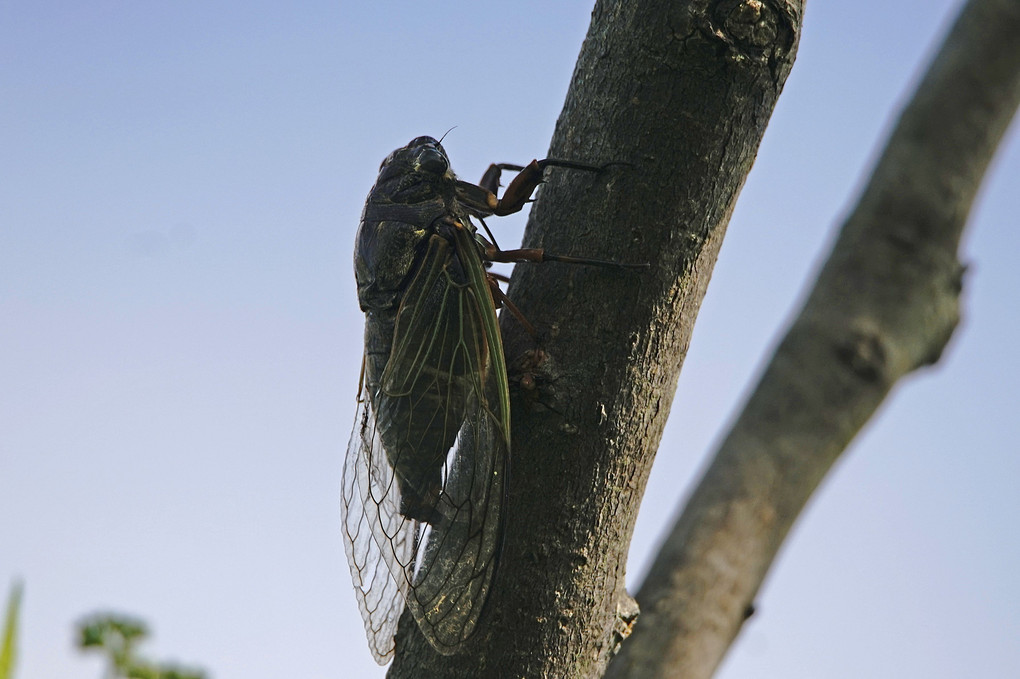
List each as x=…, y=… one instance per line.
x=864, y=351
x=758, y=30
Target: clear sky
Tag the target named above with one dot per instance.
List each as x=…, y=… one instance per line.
x=180, y=184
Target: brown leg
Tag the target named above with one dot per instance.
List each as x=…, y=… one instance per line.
x=518, y=193
x=540, y=255
x=482, y=198
x=490, y=180
x=502, y=300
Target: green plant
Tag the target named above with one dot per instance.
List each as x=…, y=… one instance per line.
x=117, y=636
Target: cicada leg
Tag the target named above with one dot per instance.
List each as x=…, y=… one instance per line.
x=501, y=300
x=536, y=255
x=518, y=193
x=481, y=198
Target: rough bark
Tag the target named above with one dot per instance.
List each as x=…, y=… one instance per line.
x=678, y=94
x=885, y=303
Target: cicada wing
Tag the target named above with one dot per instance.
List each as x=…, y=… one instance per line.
x=378, y=540
x=447, y=367
x=458, y=559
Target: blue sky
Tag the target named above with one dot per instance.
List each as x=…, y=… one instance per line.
x=180, y=339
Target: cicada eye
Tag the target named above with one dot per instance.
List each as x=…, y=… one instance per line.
x=431, y=159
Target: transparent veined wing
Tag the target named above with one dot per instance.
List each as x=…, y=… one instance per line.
x=369, y=502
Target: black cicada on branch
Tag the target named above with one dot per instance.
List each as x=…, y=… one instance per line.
x=427, y=466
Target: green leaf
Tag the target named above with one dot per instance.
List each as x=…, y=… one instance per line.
x=110, y=630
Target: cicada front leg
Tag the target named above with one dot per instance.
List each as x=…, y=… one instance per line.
x=519, y=192
x=482, y=198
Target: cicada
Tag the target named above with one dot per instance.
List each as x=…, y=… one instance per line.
x=425, y=477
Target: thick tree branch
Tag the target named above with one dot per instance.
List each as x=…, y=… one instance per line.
x=677, y=93
x=885, y=303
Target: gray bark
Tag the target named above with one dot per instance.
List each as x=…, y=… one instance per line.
x=680, y=93
x=885, y=303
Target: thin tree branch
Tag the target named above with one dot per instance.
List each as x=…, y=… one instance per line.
x=885, y=303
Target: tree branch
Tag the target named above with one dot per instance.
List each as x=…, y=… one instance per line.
x=885, y=303
x=679, y=93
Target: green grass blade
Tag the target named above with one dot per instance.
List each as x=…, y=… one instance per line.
x=10, y=633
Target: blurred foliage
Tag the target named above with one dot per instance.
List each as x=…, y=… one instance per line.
x=8, y=650
x=117, y=636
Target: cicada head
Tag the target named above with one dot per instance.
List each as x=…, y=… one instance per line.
x=415, y=172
